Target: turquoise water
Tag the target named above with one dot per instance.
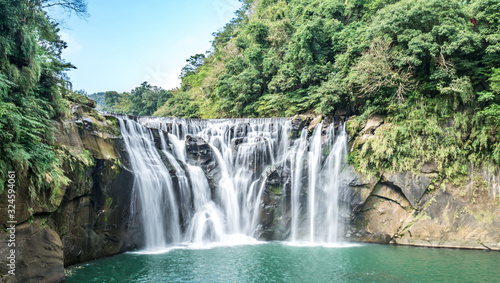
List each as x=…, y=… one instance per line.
x=278, y=262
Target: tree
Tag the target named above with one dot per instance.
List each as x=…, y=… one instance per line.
x=111, y=97
x=33, y=90
x=194, y=62
x=79, y=7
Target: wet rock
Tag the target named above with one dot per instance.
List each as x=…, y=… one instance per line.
x=299, y=122
x=199, y=150
x=359, y=185
x=236, y=142
x=274, y=215
x=157, y=138
x=240, y=130
x=314, y=123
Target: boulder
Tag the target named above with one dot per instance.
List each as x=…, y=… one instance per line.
x=39, y=254
x=314, y=123
x=199, y=150
x=299, y=122
x=360, y=185
x=429, y=167
x=381, y=216
x=373, y=123
x=274, y=215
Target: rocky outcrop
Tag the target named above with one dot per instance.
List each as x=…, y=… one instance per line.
x=87, y=219
x=275, y=210
x=39, y=254
x=459, y=216
x=412, y=186
x=424, y=208
x=199, y=150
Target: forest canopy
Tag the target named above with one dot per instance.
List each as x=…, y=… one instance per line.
x=432, y=67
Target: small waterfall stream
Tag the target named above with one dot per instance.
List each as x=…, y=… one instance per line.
x=204, y=181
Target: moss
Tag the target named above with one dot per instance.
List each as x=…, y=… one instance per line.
x=113, y=121
x=326, y=149
x=353, y=158
x=116, y=167
x=421, y=216
x=62, y=230
x=353, y=127
x=78, y=98
x=109, y=201
x=406, y=141
x=274, y=189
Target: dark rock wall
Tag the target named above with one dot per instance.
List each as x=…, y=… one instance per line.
x=89, y=218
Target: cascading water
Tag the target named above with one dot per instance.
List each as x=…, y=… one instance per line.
x=316, y=220
x=152, y=185
x=179, y=205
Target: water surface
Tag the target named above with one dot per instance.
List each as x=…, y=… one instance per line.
x=280, y=262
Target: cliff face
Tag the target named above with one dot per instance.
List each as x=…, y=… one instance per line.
x=425, y=208
x=88, y=219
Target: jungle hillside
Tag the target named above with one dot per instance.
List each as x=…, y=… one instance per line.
x=431, y=68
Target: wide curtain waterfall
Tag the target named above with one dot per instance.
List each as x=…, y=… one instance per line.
x=204, y=181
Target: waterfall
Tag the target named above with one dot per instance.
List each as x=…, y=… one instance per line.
x=152, y=185
x=314, y=162
x=206, y=179
x=316, y=220
x=297, y=166
x=331, y=173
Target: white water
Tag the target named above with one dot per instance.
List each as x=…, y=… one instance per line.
x=244, y=150
x=152, y=185
x=324, y=161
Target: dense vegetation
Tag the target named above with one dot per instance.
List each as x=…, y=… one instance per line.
x=33, y=92
x=144, y=100
x=431, y=66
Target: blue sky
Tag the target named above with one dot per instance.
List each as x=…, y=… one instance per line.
x=124, y=43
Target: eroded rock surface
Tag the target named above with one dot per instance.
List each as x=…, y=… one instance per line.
x=87, y=219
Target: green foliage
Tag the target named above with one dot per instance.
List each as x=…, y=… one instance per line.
x=424, y=64
x=32, y=92
x=180, y=105
x=144, y=100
